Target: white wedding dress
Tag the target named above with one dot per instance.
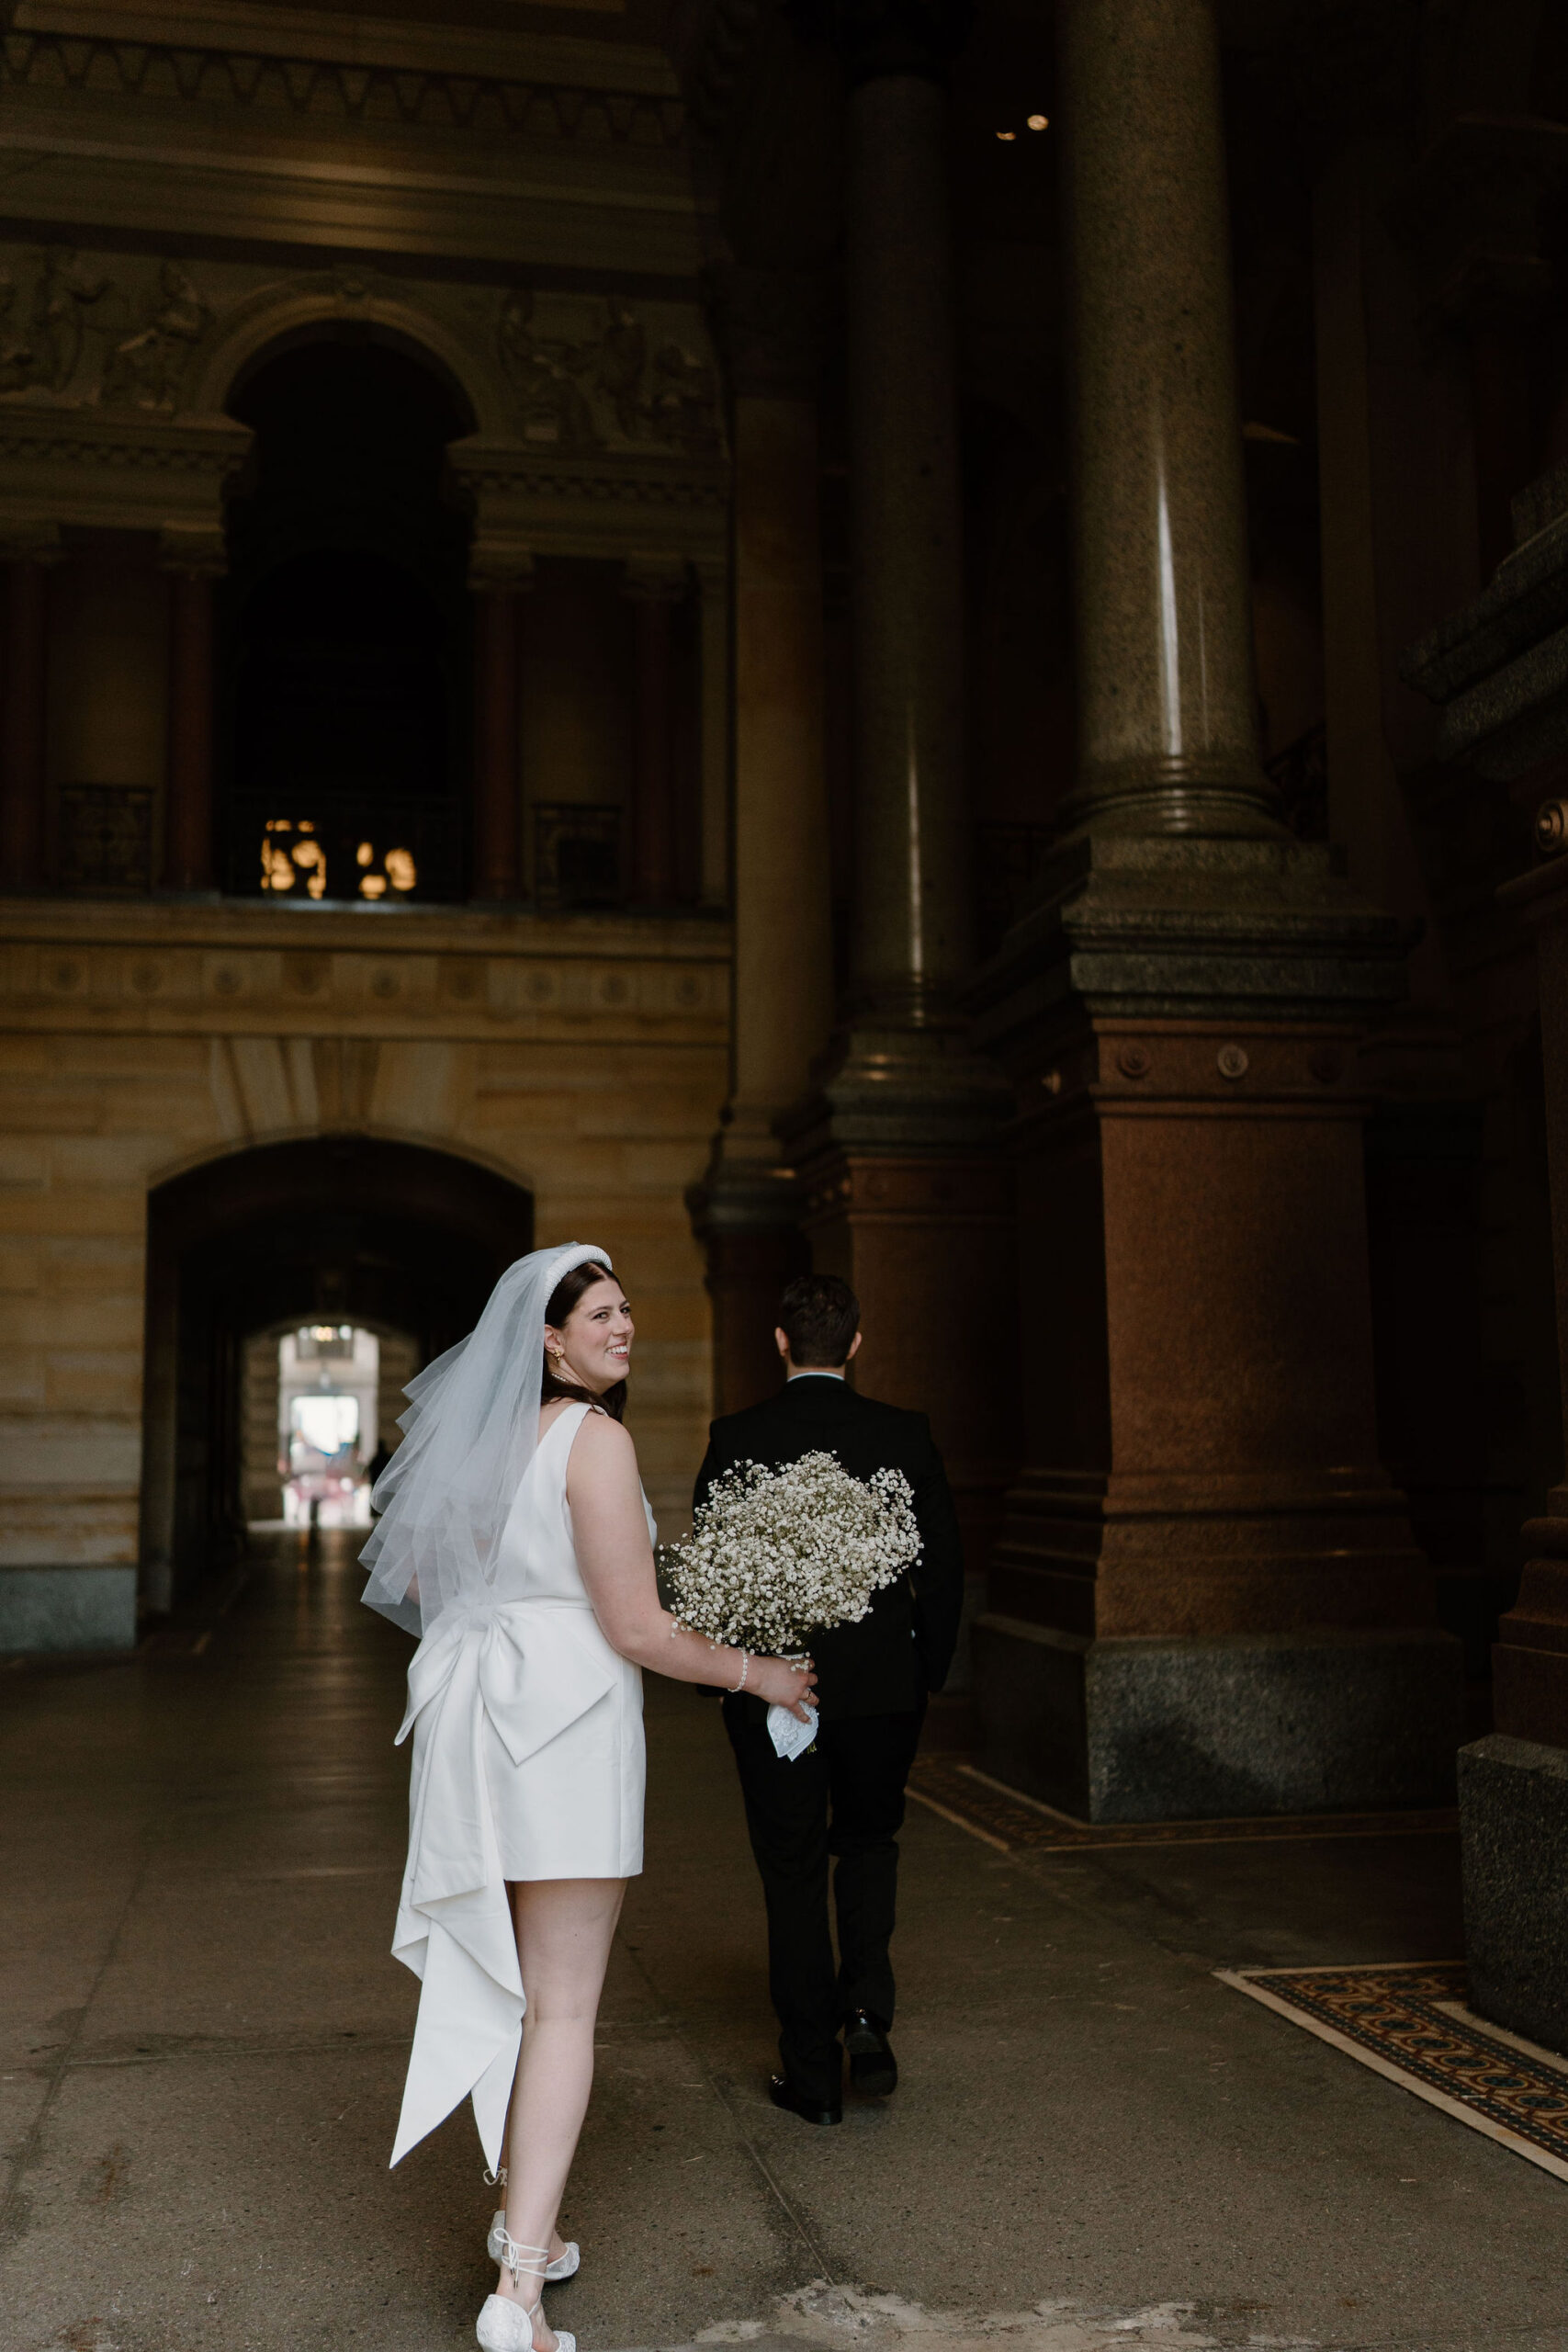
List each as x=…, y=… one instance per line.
x=527, y=1764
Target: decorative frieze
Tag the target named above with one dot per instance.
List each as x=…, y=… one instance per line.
x=325, y=93
x=115, y=369
x=178, y=971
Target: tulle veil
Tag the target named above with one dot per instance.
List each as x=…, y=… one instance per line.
x=470, y=1433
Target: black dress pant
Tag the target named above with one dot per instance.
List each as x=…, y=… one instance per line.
x=844, y=1798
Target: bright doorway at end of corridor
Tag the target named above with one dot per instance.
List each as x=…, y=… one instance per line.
x=320, y=1407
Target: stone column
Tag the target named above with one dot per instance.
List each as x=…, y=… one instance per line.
x=746, y=1211
x=1168, y=732
x=912, y=886
x=904, y=1195
x=23, y=717
x=193, y=559
x=655, y=584
x=498, y=583
x=1207, y=1599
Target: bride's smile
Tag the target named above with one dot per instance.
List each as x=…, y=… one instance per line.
x=594, y=1346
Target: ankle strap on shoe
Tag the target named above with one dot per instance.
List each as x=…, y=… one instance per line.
x=513, y=2254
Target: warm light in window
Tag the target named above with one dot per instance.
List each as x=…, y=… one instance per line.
x=401, y=870
x=1039, y=121
x=1007, y=134
x=372, y=886
x=365, y=852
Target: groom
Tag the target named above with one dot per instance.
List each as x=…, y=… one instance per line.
x=845, y=1795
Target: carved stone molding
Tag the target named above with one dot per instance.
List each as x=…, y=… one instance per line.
x=78, y=466
x=152, y=968
x=326, y=92
x=609, y=506
x=496, y=467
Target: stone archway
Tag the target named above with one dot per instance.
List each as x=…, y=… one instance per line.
x=345, y=1226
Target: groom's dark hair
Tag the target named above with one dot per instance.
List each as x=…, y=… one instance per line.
x=819, y=1316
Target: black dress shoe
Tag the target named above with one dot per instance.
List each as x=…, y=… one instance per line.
x=873, y=2067
x=783, y=2093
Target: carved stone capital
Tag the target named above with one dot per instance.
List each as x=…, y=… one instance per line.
x=194, y=549
x=500, y=567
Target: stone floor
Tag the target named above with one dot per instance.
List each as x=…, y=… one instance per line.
x=1096, y=2144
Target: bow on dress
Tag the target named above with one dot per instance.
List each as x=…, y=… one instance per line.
x=519, y=1667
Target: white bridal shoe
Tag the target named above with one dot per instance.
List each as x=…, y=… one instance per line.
x=508, y=2327
x=566, y=2263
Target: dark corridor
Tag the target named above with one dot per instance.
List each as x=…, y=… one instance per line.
x=347, y=1228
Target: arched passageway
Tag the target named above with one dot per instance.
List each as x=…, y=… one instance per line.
x=347, y=1227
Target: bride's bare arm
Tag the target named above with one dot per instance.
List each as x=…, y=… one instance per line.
x=617, y=1563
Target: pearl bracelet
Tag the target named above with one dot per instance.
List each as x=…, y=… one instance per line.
x=745, y=1670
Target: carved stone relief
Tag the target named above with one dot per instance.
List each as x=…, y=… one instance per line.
x=69, y=330
x=615, y=384
x=582, y=374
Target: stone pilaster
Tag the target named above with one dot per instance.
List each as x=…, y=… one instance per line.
x=746, y=1211
x=1207, y=1599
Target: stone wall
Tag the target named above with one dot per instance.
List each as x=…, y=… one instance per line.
x=582, y=1057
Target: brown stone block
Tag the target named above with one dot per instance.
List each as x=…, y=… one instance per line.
x=89, y=1322
x=58, y=1110
x=23, y=1377
x=1198, y=1378
x=119, y=1162
x=94, y=1268
x=1234, y=1270
x=1530, y=1659
x=76, y=1530
x=24, y=1167
x=926, y=1242
x=94, y=1381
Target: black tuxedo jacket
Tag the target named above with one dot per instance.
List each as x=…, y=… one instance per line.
x=902, y=1646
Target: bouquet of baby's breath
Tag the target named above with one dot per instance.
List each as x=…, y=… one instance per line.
x=774, y=1556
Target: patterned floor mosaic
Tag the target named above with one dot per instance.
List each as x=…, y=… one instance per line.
x=962, y=1793
x=1410, y=2023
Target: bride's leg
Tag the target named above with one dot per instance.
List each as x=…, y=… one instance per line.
x=564, y=1931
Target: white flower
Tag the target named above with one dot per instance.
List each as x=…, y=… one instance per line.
x=776, y=1554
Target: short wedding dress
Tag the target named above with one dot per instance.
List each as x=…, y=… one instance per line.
x=529, y=1763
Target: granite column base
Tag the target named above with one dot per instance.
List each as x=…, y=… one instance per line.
x=1205, y=1727
x=1513, y=1811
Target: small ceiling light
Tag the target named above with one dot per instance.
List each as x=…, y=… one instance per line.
x=1039, y=121
x=1007, y=134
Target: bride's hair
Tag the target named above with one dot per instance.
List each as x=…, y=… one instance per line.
x=563, y=1299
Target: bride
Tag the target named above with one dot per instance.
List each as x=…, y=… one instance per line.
x=515, y=1538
